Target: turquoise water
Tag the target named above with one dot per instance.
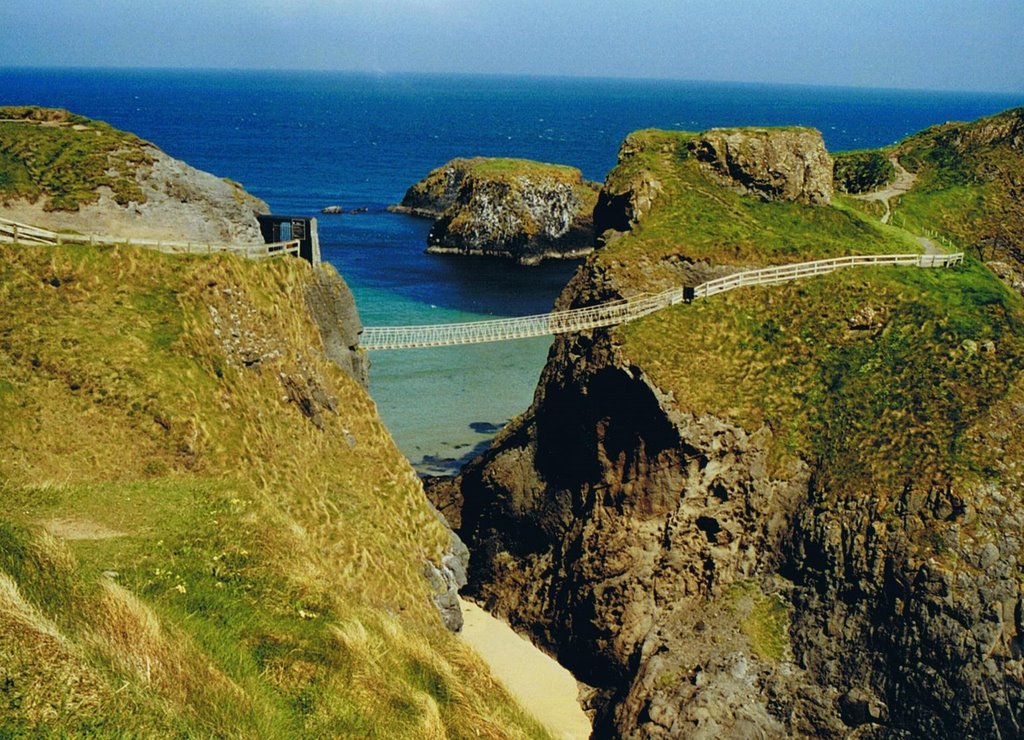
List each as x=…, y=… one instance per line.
x=445, y=404
x=304, y=140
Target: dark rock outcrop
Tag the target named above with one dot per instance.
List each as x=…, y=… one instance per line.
x=523, y=210
x=701, y=594
x=702, y=587
x=602, y=522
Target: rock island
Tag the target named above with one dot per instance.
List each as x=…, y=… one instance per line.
x=515, y=208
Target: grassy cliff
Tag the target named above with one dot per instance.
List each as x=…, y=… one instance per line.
x=879, y=370
x=65, y=158
x=205, y=528
x=692, y=217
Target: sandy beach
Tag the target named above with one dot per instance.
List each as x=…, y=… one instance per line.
x=536, y=680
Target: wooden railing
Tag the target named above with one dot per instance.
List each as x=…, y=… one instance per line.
x=18, y=233
x=784, y=273
x=621, y=311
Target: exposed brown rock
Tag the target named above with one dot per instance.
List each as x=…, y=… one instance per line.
x=700, y=592
x=775, y=164
x=622, y=204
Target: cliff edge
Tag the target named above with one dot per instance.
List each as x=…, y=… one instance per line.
x=65, y=172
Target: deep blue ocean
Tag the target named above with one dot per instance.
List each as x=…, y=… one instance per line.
x=305, y=140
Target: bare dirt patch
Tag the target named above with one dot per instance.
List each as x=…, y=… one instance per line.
x=81, y=529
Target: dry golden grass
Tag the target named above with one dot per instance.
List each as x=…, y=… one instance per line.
x=250, y=537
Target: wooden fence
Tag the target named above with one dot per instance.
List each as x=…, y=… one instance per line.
x=18, y=233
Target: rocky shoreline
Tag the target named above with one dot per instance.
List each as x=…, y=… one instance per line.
x=534, y=258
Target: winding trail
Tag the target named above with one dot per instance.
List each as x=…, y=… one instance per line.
x=903, y=183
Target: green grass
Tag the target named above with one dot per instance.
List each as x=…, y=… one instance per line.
x=506, y=167
x=873, y=209
x=763, y=620
x=700, y=220
x=863, y=170
x=64, y=159
x=969, y=184
x=878, y=405
x=268, y=575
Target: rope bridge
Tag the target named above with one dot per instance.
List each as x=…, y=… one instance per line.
x=621, y=311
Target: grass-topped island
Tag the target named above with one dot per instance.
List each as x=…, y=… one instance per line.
x=513, y=208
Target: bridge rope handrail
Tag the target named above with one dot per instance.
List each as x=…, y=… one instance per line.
x=13, y=232
x=622, y=310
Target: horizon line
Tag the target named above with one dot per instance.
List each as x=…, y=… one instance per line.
x=507, y=75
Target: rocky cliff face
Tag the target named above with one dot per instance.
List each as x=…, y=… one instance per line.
x=1004, y=129
x=509, y=208
x=775, y=164
x=66, y=172
x=333, y=308
x=701, y=583
x=699, y=592
x=603, y=522
x=626, y=200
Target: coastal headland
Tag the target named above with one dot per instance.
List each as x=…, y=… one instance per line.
x=790, y=510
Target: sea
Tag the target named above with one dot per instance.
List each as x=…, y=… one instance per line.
x=305, y=140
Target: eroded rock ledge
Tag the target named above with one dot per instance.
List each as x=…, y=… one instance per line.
x=513, y=208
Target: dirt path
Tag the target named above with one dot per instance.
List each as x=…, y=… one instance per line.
x=543, y=687
x=930, y=247
x=904, y=181
x=81, y=529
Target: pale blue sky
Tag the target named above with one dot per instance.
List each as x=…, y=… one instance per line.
x=930, y=44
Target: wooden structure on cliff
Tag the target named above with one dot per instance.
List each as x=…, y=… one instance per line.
x=302, y=229
x=628, y=309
